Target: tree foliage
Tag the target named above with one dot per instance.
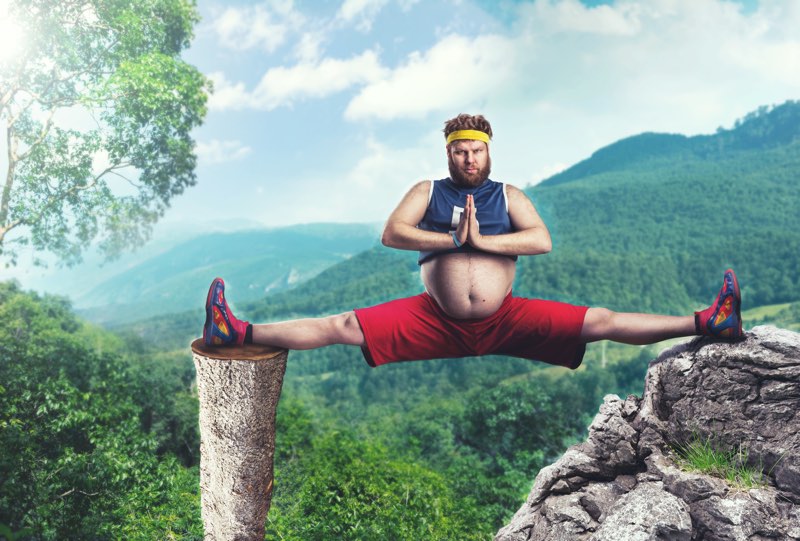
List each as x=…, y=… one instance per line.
x=77, y=459
x=97, y=107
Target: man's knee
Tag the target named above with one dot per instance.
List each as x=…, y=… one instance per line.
x=597, y=323
x=347, y=328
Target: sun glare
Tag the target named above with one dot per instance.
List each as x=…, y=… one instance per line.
x=12, y=36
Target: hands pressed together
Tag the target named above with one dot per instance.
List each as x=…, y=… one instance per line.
x=468, y=229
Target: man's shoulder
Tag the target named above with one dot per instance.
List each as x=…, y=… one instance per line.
x=421, y=186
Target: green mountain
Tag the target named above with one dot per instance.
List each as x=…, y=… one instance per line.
x=256, y=263
x=763, y=129
x=650, y=222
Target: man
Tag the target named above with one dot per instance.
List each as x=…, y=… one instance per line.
x=469, y=231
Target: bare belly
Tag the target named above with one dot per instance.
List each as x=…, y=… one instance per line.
x=469, y=285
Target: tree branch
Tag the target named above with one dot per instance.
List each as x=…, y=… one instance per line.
x=70, y=491
x=53, y=199
x=113, y=171
x=5, y=200
x=45, y=130
x=4, y=230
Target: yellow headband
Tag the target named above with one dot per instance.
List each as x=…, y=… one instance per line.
x=473, y=135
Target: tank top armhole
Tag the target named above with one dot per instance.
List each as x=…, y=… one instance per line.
x=505, y=195
x=430, y=192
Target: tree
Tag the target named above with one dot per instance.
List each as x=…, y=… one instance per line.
x=97, y=107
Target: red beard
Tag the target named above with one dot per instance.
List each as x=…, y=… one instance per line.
x=469, y=180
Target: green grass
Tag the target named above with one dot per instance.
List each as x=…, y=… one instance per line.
x=702, y=456
x=766, y=311
x=786, y=316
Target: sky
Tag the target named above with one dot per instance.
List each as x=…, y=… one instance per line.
x=329, y=111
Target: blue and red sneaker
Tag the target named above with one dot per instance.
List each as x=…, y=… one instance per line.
x=221, y=327
x=723, y=318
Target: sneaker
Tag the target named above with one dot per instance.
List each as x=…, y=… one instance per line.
x=221, y=327
x=723, y=318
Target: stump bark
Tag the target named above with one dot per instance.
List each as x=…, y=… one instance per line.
x=239, y=388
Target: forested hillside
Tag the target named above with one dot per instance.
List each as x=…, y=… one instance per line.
x=650, y=222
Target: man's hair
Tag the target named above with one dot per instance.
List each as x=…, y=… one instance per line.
x=467, y=122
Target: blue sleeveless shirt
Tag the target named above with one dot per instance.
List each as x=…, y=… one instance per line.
x=447, y=202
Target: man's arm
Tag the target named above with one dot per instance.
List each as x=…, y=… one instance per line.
x=401, y=229
x=530, y=237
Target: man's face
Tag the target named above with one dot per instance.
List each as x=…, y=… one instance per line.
x=469, y=162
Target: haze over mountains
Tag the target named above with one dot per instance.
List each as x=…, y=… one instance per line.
x=254, y=262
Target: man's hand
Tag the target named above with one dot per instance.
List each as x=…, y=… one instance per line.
x=474, y=236
x=530, y=235
x=462, y=231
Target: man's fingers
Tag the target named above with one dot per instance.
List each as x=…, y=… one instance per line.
x=462, y=231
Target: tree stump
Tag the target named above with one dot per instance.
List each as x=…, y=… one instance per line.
x=239, y=388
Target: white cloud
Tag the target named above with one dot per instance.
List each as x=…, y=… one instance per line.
x=227, y=95
x=454, y=73
x=264, y=26
x=283, y=86
x=216, y=151
x=659, y=64
x=361, y=12
x=371, y=187
x=385, y=166
x=555, y=16
x=309, y=47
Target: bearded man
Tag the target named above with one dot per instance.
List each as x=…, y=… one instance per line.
x=469, y=231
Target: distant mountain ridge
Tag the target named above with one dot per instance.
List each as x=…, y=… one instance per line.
x=255, y=263
x=765, y=128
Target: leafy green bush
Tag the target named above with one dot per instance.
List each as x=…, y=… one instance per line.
x=76, y=461
x=344, y=488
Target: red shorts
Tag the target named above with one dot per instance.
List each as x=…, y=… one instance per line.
x=416, y=328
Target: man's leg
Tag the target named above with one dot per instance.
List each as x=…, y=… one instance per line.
x=722, y=319
x=223, y=328
x=311, y=333
x=630, y=328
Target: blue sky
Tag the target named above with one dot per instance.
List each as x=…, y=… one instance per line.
x=330, y=110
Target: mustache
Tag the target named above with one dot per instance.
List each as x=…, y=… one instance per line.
x=471, y=180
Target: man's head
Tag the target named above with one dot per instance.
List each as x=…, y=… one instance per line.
x=468, y=149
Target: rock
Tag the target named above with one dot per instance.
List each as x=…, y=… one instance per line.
x=623, y=482
x=647, y=513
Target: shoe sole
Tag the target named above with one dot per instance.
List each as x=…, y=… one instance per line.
x=738, y=296
x=207, y=326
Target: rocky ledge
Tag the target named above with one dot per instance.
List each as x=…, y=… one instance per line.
x=624, y=482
